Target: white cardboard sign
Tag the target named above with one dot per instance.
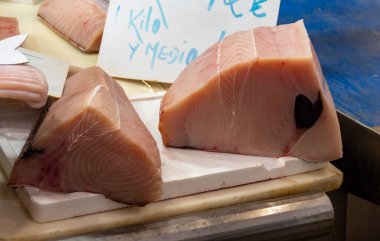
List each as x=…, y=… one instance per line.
x=156, y=39
x=8, y=52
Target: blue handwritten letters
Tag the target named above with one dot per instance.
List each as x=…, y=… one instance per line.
x=229, y=3
x=256, y=6
x=152, y=19
x=156, y=39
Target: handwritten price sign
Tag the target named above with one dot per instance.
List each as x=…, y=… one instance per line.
x=156, y=39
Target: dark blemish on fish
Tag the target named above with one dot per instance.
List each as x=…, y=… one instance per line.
x=307, y=113
x=31, y=152
x=49, y=174
x=28, y=150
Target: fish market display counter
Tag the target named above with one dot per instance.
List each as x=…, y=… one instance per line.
x=300, y=217
x=294, y=205
x=289, y=207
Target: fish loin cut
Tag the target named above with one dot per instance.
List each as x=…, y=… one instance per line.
x=79, y=21
x=23, y=83
x=257, y=92
x=92, y=140
x=8, y=27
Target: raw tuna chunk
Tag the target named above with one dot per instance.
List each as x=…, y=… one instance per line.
x=79, y=21
x=257, y=92
x=23, y=83
x=92, y=140
x=8, y=27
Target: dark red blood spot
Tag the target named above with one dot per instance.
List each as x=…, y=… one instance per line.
x=49, y=175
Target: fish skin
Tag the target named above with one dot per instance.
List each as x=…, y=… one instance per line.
x=24, y=83
x=240, y=97
x=8, y=27
x=81, y=22
x=92, y=140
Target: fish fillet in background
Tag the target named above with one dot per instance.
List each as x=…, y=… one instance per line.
x=79, y=21
x=92, y=140
x=257, y=92
x=8, y=27
x=24, y=83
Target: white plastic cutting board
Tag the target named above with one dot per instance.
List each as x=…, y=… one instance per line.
x=184, y=171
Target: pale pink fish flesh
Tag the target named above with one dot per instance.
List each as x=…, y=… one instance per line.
x=8, y=27
x=24, y=83
x=92, y=140
x=257, y=92
x=79, y=21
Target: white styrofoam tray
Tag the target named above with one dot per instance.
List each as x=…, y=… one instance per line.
x=184, y=172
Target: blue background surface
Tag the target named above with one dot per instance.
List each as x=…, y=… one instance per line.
x=346, y=36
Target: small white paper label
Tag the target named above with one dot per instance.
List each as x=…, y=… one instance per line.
x=8, y=52
x=156, y=39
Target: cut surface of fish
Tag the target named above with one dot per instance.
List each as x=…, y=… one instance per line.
x=8, y=27
x=256, y=92
x=23, y=83
x=92, y=140
x=79, y=21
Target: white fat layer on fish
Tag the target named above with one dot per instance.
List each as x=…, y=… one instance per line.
x=94, y=91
